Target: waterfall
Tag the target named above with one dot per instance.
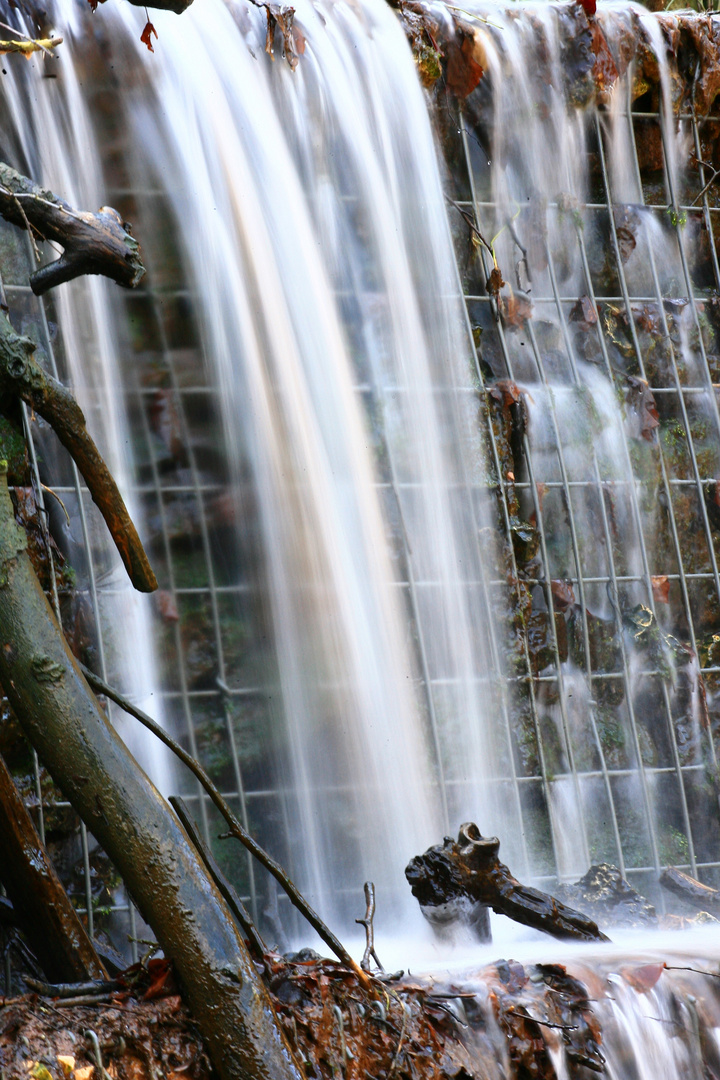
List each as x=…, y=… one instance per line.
x=317, y=250
x=316, y=457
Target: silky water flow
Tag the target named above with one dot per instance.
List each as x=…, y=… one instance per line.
x=330, y=330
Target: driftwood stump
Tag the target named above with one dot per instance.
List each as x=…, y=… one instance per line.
x=469, y=872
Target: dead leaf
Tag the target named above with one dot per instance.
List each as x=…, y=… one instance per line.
x=588, y=6
x=465, y=55
x=661, y=589
x=626, y=243
x=495, y=282
x=643, y=978
x=583, y=311
x=563, y=595
x=515, y=310
x=282, y=18
x=162, y=980
x=642, y=416
x=146, y=36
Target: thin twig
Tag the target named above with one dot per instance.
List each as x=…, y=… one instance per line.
x=231, y=897
x=367, y=922
x=473, y=227
x=711, y=181
x=403, y=1027
x=236, y=829
x=23, y=215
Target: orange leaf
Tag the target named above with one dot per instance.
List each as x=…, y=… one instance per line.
x=146, y=37
x=661, y=589
x=643, y=978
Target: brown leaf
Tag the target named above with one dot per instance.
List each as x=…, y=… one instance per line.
x=465, y=60
x=626, y=242
x=661, y=589
x=643, y=417
x=563, y=595
x=283, y=18
x=515, y=310
x=583, y=312
x=146, y=36
x=643, y=978
x=495, y=282
x=542, y=490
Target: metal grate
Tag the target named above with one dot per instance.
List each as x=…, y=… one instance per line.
x=687, y=787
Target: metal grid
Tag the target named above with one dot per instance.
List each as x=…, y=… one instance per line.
x=692, y=806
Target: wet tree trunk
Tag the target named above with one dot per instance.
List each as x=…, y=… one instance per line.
x=143, y=838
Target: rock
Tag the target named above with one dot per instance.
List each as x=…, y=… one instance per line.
x=608, y=897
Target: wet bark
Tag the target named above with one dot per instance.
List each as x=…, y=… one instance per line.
x=98, y=243
x=21, y=375
x=143, y=838
x=41, y=905
x=693, y=892
x=469, y=870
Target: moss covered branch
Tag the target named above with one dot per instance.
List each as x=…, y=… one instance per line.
x=22, y=376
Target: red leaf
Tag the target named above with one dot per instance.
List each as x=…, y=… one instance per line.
x=162, y=982
x=588, y=6
x=661, y=589
x=146, y=38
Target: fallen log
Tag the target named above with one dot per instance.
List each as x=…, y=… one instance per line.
x=22, y=376
x=41, y=905
x=98, y=243
x=693, y=892
x=164, y=875
x=469, y=870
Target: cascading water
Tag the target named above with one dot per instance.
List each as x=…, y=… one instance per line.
x=317, y=247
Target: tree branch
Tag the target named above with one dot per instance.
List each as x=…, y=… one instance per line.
x=21, y=374
x=98, y=243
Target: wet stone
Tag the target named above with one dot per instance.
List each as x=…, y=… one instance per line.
x=609, y=898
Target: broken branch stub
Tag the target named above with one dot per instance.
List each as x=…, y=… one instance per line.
x=469, y=871
x=164, y=875
x=20, y=374
x=98, y=243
